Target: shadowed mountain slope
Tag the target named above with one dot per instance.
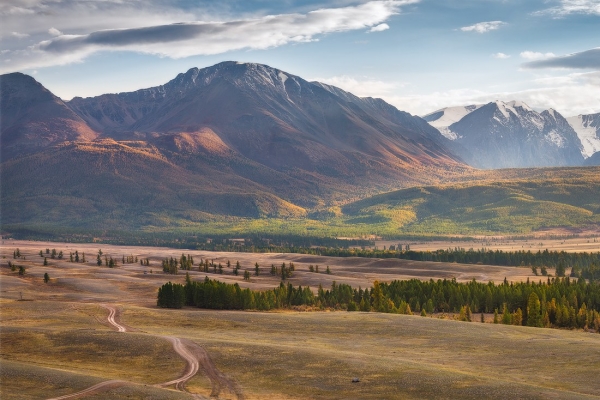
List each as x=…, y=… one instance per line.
x=32, y=118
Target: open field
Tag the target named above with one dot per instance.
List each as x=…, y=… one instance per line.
x=61, y=340
x=571, y=245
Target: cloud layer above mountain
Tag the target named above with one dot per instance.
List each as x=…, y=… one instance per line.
x=184, y=39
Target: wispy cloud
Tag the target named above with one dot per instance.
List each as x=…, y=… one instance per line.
x=19, y=35
x=567, y=7
x=185, y=39
x=362, y=87
x=534, y=55
x=379, y=28
x=589, y=59
x=483, y=27
x=501, y=56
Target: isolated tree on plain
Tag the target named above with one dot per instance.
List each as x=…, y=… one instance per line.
x=98, y=260
x=256, y=269
x=21, y=270
x=46, y=277
x=246, y=275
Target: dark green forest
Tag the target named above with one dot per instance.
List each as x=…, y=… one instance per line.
x=553, y=302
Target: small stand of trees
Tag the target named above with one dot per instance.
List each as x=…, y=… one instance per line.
x=559, y=302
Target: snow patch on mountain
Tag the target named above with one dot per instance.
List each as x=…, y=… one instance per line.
x=555, y=138
x=443, y=118
x=587, y=128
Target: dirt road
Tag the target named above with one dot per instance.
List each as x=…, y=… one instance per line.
x=197, y=358
x=111, y=318
x=92, y=389
x=193, y=354
x=191, y=368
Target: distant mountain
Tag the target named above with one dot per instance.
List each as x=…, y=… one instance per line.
x=33, y=118
x=588, y=130
x=511, y=135
x=232, y=140
x=443, y=118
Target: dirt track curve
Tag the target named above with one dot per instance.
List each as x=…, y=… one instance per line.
x=92, y=389
x=193, y=354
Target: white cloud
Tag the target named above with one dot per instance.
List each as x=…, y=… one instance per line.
x=183, y=39
x=362, y=87
x=501, y=56
x=483, y=27
x=379, y=28
x=534, y=56
x=570, y=94
x=54, y=32
x=567, y=7
x=19, y=35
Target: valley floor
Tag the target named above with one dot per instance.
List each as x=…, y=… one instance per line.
x=64, y=337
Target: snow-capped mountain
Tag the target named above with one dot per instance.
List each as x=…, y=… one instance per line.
x=510, y=135
x=588, y=130
x=443, y=118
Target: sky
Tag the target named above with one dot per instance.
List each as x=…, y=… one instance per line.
x=419, y=55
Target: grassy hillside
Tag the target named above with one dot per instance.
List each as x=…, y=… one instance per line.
x=105, y=186
x=508, y=206
x=99, y=185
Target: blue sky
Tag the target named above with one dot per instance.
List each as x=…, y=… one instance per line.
x=418, y=55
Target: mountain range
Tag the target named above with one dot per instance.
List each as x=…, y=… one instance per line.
x=511, y=134
x=243, y=140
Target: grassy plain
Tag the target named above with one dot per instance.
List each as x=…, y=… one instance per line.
x=58, y=341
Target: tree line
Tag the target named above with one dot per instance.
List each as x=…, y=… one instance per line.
x=555, y=302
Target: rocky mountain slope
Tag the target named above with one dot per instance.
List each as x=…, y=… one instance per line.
x=32, y=118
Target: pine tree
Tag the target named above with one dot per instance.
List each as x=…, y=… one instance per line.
x=256, y=269
x=534, y=317
x=45, y=260
x=46, y=277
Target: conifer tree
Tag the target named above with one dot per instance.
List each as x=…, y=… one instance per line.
x=46, y=277
x=534, y=317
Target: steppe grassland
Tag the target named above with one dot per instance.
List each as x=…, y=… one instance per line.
x=271, y=355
